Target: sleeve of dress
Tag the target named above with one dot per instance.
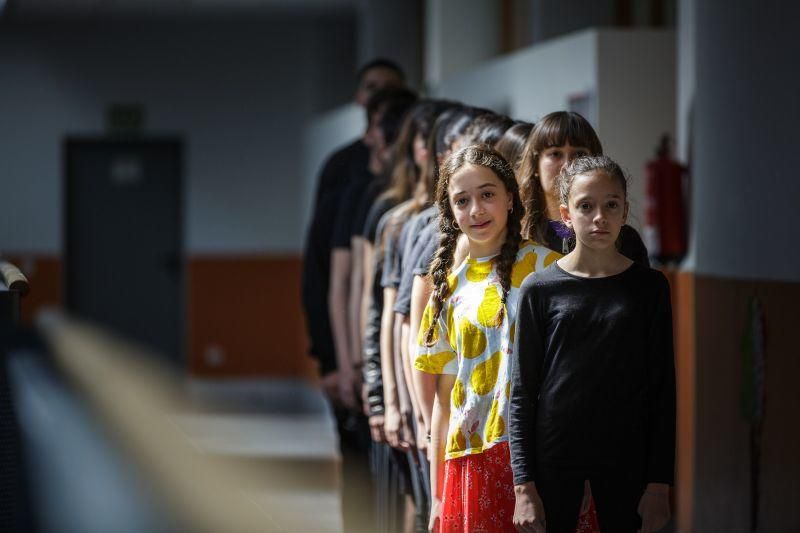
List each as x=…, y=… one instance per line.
x=527, y=356
x=440, y=357
x=661, y=386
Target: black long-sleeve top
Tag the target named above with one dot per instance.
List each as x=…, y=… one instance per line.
x=593, y=383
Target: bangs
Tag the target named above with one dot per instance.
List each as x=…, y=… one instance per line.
x=558, y=129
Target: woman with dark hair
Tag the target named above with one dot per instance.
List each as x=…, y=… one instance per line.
x=556, y=140
x=512, y=143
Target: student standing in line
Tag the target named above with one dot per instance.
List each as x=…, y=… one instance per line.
x=512, y=143
x=466, y=339
x=593, y=387
x=557, y=139
x=333, y=180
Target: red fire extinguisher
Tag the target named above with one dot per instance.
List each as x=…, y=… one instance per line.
x=665, y=215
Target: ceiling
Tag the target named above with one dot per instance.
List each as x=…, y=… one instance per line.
x=32, y=9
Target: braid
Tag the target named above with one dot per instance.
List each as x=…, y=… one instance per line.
x=440, y=266
x=508, y=255
x=486, y=157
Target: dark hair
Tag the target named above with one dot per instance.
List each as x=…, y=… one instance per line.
x=484, y=156
x=395, y=108
x=512, y=143
x=380, y=62
x=459, y=126
x=555, y=129
x=404, y=171
x=382, y=97
x=585, y=165
x=436, y=147
x=486, y=129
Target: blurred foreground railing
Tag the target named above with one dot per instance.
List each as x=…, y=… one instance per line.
x=143, y=409
x=13, y=286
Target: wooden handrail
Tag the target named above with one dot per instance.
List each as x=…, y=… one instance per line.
x=14, y=279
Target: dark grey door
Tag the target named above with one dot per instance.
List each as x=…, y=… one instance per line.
x=124, y=260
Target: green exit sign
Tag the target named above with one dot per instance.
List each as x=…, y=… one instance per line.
x=125, y=118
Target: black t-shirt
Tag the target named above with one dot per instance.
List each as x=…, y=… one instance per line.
x=347, y=221
x=368, y=202
x=593, y=380
x=379, y=208
x=335, y=175
x=630, y=243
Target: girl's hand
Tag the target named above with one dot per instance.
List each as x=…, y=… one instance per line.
x=436, y=515
x=348, y=380
x=654, y=507
x=422, y=438
x=391, y=425
x=587, y=497
x=376, y=428
x=528, y=510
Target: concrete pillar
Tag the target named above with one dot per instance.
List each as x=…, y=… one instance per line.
x=393, y=29
x=746, y=115
x=460, y=34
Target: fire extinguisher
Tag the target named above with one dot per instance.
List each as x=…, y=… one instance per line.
x=665, y=215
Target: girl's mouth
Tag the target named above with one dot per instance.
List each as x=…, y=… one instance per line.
x=481, y=225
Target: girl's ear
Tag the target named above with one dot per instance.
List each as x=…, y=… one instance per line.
x=565, y=216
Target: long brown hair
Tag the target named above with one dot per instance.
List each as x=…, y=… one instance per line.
x=484, y=156
x=555, y=129
x=404, y=173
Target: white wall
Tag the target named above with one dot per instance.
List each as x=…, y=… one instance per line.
x=237, y=92
x=628, y=75
x=636, y=101
x=532, y=82
x=459, y=35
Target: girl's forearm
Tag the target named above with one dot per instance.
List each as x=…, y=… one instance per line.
x=354, y=300
x=337, y=305
x=387, y=348
x=437, y=447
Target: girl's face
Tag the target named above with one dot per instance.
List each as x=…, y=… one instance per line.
x=551, y=161
x=597, y=210
x=420, y=151
x=480, y=204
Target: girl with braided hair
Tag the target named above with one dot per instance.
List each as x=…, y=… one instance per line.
x=466, y=338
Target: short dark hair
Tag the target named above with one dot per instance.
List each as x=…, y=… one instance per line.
x=383, y=96
x=395, y=107
x=380, y=62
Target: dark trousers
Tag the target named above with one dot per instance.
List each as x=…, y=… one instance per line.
x=616, y=496
x=357, y=492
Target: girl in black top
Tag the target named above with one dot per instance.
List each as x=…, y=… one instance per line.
x=593, y=385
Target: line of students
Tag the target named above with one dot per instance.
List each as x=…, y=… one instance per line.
x=465, y=216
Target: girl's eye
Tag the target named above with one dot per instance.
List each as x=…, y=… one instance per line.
x=585, y=206
x=488, y=194
x=555, y=154
x=613, y=204
x=460, y=202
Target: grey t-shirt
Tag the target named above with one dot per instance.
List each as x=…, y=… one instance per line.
x=418, y=262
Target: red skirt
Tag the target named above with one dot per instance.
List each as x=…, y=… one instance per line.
x=478, y=495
